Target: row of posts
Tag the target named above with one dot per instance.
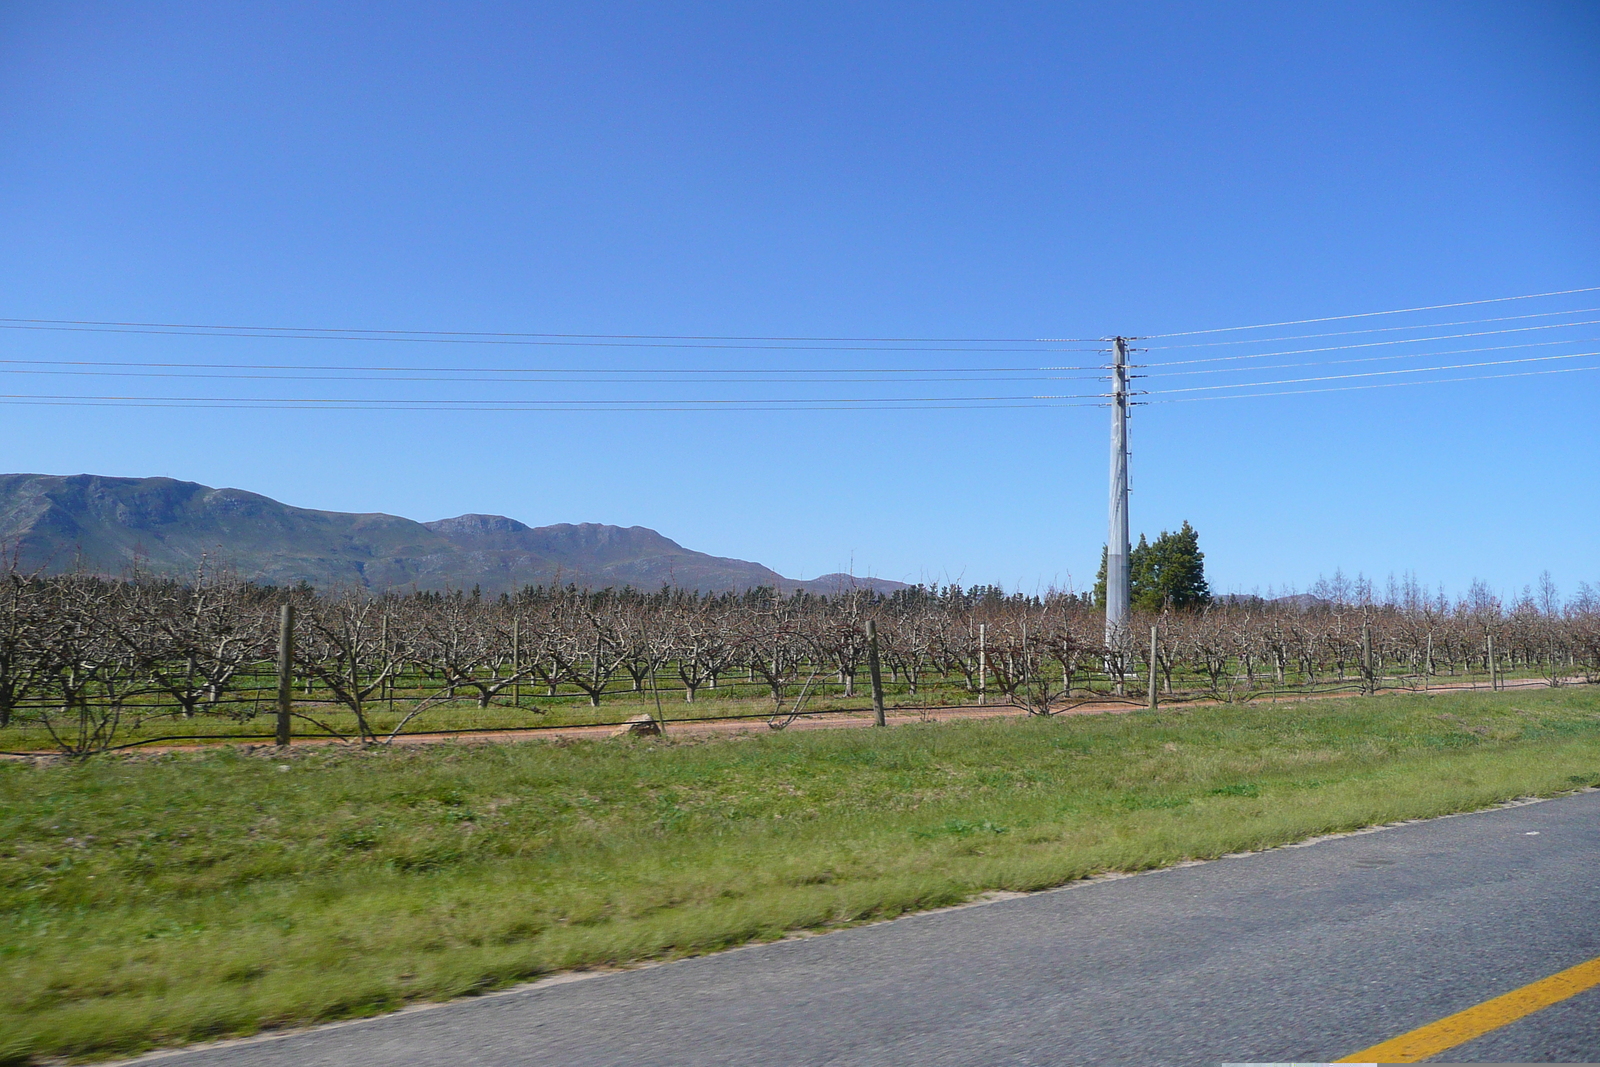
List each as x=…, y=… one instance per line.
x=1368, y=676
x=286, y=673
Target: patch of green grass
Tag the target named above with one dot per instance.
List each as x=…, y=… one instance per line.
x=163, y=899
x=962, y=826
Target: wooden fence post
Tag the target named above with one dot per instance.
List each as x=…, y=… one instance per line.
x=1152, y=668
x=1370, y=685
x=285, y=670
x=983, y=665
x=1427, y=664
x=875, y=672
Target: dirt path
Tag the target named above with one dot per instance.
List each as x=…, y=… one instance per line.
x=713, y=727
x=901, y=717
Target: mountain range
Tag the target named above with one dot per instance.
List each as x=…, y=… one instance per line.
x=119, y=526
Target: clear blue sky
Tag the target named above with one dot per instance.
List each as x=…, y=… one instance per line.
x=876, y=170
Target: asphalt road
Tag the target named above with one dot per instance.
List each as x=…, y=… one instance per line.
x=1300, y=954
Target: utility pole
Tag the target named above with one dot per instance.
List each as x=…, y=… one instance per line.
x=1118, y=593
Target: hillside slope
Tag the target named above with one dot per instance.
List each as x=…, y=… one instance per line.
x=164, y=526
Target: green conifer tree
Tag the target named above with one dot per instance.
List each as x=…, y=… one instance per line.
x=1170, y=571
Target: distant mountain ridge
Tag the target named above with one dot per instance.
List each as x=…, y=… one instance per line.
x=165, y=526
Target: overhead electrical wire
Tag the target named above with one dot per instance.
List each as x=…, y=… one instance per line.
x=1244, y=364
x=307, y=332
x=536, y=404
x=1374, y=373
x=1015, y=374
x=12, y=325
x=1372, y=314
x=1368, y=359
x=776, y=403
x=1375, y=344
x=1376, y=385
x=539, y=370
x=597, y=336
x=539, y=381
x=1370, y=329
x=820, y=405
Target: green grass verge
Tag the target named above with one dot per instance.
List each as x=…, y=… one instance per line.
x=157, y=900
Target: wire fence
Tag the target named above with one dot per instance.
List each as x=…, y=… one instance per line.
x=90, y=665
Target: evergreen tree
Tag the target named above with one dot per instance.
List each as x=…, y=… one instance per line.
x=1187, y=585
x=1170, y=571
x=1141, y=572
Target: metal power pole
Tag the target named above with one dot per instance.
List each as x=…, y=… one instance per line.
x=1118, y=593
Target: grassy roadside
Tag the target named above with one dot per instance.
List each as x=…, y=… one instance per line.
x=163, y=899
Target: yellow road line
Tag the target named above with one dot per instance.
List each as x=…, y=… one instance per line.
x=1463, y=1026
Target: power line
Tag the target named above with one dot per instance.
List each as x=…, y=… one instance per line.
x=1375, y=344
x=1376, y=385
x=1371, y=314
x=1375, y=373
x=536, y=344
x=538, y=370
x=1370, y=359
x=540, y=381
x=1369, y=329
x=306, y=332
x=699, y=376
x=802, y=370
x=627, y=405
x=355, y=333
x=787, y=403
x=488, y=406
